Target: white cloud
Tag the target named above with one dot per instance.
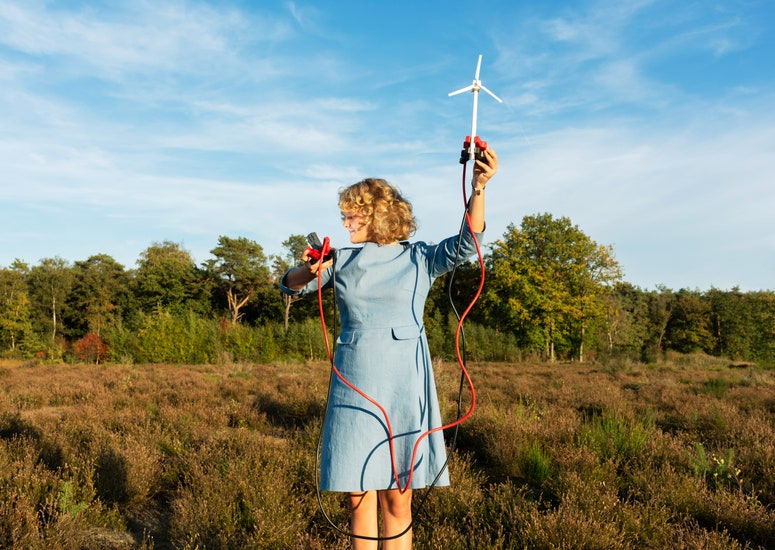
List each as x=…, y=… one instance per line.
x=662, y=197
x=185, y=120
x=142, y=38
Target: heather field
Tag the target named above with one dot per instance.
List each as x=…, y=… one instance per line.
x=679, y=454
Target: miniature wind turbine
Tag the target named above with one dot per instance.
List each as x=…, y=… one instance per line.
x=475, y=86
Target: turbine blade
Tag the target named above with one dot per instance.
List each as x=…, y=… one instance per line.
x=495, y=97
x=461, y=90
x=478, y=66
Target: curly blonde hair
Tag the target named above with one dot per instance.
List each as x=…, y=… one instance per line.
x=387, y=213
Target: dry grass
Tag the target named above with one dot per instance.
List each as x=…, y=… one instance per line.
x=678, y=455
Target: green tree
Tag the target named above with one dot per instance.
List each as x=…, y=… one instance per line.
x=731, y=322
x=762, y=305
x=659, y=305
x=15, y=324
x=100, y=296
x=590, y=271
x=688, y=329
x=49, y=283
x=240, y=270
x=293, y=247
x=548, y=279
x=624, y=327
x=167, y=277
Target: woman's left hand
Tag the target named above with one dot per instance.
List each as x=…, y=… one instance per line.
x=483, y=171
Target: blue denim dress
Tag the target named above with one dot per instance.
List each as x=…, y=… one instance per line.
x=383, y=351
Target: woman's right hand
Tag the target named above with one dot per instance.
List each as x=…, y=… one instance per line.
x=313, y=265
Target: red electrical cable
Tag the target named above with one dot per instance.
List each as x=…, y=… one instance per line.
x=461, y=362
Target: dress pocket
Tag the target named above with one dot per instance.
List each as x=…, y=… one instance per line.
x=407, y=332
x=404, y=332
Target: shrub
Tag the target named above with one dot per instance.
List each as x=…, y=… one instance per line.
x=715, y=470
x=91, y=349
x=179, y=339
x=613, y=438
x=535, y=465
x=717, y=387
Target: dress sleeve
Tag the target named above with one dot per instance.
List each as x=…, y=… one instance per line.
x=443, y=256
x=310, y=287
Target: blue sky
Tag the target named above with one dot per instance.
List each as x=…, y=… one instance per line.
x=649, y=123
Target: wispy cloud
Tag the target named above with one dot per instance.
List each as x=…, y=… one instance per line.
x=140, y=38
x=186, y=120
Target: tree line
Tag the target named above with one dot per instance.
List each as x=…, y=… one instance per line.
x=550, y=291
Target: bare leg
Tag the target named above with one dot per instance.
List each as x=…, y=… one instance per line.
x=364, y=519
x=396, y=516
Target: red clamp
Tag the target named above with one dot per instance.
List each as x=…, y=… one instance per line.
x=317, y=249
x=314, y=254
x=478, y=143
x=480, y=146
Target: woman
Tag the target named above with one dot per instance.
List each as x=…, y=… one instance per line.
x=382, y=351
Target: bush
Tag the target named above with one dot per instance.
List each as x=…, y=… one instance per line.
x=91, y=349
x=179, y=339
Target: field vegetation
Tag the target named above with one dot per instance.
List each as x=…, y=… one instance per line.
x=550, y=291
x=616, y=455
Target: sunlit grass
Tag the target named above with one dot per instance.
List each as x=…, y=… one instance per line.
x=677, y=455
